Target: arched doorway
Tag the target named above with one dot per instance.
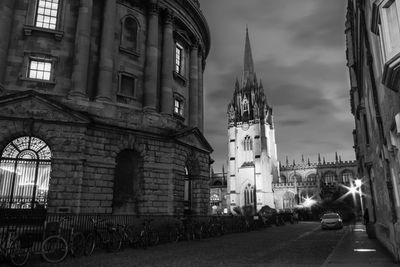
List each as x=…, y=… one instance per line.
x=25, y=167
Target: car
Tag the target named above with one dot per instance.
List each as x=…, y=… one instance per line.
x=331, y=221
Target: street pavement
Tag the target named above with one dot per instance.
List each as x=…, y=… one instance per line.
x=303, y=244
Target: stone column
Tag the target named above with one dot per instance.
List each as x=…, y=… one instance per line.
x=151, y=66
x=6, y=17
x=106, y=63
x=167, y=65
x=82, y=49
x=194, y=86
x=201, y=94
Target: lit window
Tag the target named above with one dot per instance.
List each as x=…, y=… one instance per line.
x=179, y=58
x=178, y=107
x=25, y=167
x=347, y=177
x=39, y=69
x=46, y=14
x=329, y=178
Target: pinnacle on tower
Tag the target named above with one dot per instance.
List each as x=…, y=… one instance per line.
x=308, y=161
x=324, y=160
x=287, y=161
x=319, y=158
x=248, y=68
x=302, y=158
x=336, y=157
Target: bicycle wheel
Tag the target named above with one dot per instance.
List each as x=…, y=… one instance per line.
x=77, y=244
x=174, y=235
x=54, y=249
x=18, y=256
x=132, y=236
x=115, y=242
x=90, y=244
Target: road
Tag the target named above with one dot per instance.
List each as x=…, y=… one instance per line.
x=303, y=244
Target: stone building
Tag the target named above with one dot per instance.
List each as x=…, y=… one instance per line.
x=218, y=192
x=101, y=106
x=252, y=152
x=300, y=183
x=373, y=58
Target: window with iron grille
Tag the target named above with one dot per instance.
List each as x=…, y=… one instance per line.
x=25, y=166
x=46, y=14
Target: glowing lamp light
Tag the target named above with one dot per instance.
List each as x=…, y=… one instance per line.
x=308, y=202
x=352, y=189
x=358, y=182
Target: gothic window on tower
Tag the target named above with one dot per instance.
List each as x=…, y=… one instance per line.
x=245, y=108
x=46, y=14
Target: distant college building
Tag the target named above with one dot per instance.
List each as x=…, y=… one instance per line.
x=373, y=59
x=252, y=152
x=101, y=107
x=301, y=182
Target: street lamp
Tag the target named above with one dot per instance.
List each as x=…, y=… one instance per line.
x=358, y=183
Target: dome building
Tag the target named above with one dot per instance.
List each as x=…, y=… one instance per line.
x=102, y=106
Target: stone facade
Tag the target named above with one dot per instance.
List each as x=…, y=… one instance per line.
x=298, y=183
x=252, y=151
x=373, y=52
x=108, y=107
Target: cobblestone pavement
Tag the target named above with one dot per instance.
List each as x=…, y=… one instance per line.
x=302, y=244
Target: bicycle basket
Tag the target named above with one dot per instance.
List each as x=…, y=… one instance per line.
x=52, y=228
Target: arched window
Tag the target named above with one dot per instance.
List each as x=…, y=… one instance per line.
x=248, y=144
x=295, y=178
x=283, y=179
x=347, y=176
x=25, y=167
x=311, y=177
x=129, y=34
x=187, y=195
x=215, y=200
x=248, y=195
x=288, y=200
x=329, y=178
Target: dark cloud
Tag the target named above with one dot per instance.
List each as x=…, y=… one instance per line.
x=298, y=50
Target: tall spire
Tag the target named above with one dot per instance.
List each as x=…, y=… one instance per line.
x=248, y=69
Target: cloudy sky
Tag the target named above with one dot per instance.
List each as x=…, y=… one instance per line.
x=299, y=53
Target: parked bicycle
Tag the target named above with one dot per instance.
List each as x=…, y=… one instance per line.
x=55, y=246
x=107, y=237
x=148, y=236
x=129, y=237
x=182, y=230
x=12, y=248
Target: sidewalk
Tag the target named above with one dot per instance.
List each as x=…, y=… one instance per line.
x=356, y=249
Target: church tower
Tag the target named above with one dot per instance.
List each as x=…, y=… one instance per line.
x=253, y=164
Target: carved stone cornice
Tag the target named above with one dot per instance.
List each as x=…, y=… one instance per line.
x=168, y=16
x=153, y=7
